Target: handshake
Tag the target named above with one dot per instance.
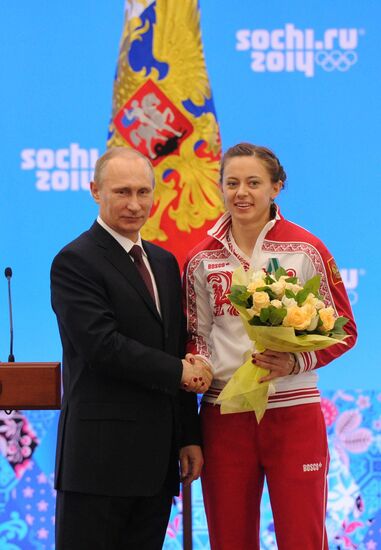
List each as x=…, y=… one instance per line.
x=197, y=375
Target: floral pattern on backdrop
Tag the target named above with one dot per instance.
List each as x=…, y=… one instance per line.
x=353, y=420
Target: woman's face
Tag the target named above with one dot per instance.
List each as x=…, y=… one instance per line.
x=248, y=190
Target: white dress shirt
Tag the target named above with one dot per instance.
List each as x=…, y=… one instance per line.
x=127, y=244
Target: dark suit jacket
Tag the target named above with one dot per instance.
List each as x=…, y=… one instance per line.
x=123, y=416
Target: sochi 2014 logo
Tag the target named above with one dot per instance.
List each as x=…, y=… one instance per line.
x=66, y=169
x=299, y=50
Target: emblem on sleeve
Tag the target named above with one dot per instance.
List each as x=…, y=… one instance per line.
x=334, y=272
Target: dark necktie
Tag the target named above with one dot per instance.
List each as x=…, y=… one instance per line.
x=136, y=253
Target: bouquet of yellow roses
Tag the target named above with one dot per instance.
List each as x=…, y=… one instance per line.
x=279, y=314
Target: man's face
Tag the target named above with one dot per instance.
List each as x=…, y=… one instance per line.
x=125, y=195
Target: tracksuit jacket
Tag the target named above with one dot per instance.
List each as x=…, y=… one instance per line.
x=216, y=331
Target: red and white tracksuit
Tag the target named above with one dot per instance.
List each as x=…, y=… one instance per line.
x=289, y=446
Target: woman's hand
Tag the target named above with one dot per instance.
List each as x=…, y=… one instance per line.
x=279, y=363
x=197, y=374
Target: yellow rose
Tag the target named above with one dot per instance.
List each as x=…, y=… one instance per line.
x=313, y=324
x=289, y=302
x=278, y=288
x=327, y=315
x=257, y=283
x=311, y=299
x=315, y=302
x=276, y=303
x=299, y=317
x=293, y=287
x=309, y=309
x=260, y=300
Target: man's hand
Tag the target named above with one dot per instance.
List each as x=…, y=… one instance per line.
x=191, y=462
x=197, y=375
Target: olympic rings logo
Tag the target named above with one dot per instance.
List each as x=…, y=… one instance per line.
x=336, y=59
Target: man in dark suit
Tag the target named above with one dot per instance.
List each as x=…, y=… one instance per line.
x=124, y=421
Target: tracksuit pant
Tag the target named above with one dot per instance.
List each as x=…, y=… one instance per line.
x=289, y=448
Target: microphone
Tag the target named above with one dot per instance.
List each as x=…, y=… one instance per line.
x=8, y=275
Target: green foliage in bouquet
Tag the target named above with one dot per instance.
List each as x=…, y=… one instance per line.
x=277, y=299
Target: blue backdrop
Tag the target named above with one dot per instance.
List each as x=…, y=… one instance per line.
x=300, y=77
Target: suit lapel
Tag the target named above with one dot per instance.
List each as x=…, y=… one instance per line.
x=121, y=261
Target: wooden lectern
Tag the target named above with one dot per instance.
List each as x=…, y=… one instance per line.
x=30, y=386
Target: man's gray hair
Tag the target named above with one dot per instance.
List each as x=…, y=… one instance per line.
x=126, y=152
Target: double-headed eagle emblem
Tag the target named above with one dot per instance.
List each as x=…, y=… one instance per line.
x=163, y=106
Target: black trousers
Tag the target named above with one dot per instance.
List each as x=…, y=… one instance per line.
x=93, y=522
